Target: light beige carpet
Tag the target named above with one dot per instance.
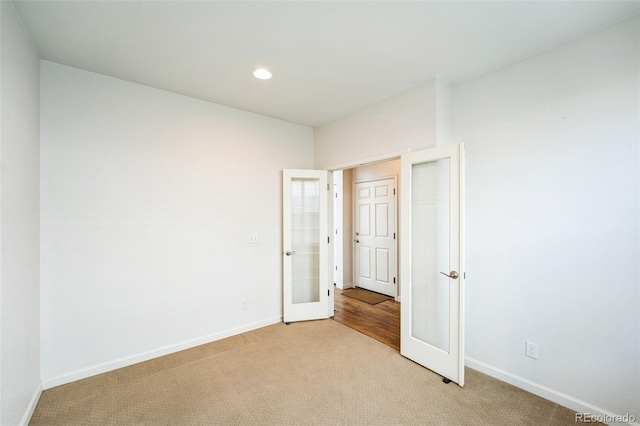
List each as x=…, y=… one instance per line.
x=367, y=296
x=308, y=373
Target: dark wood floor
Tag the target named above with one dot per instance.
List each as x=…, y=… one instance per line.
x=381, y=321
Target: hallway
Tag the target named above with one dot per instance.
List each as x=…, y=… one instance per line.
x=380, y=321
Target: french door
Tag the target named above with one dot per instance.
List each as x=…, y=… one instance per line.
x=432, y=267
x=431, y=257
x=307, y=277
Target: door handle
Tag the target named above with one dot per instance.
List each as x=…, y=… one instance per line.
x=453, y=275
x=289, y=253
x=357, y=241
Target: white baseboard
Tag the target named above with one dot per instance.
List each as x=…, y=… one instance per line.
x=347, y=285
x=127, y=361
x=542, y=391
x=26, y=418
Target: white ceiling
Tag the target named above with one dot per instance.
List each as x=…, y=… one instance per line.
x=328, y=58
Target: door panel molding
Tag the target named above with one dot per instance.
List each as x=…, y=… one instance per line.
x=375, y=228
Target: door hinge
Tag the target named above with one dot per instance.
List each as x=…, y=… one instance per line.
x=327, y=187
x=336, y=267
x=394, y=280
x=328, y=239
x=394, y=235
x=328, y=293
x=394, y=191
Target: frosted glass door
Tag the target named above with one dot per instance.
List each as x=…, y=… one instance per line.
x=305, y=240
x=306, y=247
x=432, y=267
x=430, y=253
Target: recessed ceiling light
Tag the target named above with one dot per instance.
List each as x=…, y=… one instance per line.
x=262, y=74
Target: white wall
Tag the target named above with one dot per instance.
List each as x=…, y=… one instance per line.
x=397, y=124
x=148, y=200
x=552, y=211
x=444, y=112
x=553, y=217
x=19, y=221
x=376, y=171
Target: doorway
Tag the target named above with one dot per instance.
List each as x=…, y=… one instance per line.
x=360, y=262
x=352, y=207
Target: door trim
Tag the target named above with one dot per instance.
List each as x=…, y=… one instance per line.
x=368, y=161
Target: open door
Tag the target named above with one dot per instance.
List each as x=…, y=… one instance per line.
x=432, y=285
x=307, y=254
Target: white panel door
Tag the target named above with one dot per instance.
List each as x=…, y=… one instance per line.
x=431, y=325
x=375, y=237
x=307, y=277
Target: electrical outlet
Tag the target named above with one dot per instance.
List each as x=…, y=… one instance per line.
x=243, y=304
x=531, y=350
x=253, y=238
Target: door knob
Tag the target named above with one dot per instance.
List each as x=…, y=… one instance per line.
x=357, y=233
x=289, y=253
x=453, y=274
x=357, y=241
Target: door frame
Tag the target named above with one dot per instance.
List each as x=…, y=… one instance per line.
x=354, y=268
x=395, y=155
